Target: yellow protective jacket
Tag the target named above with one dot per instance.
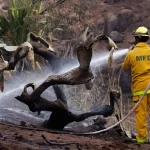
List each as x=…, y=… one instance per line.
x=138, y=61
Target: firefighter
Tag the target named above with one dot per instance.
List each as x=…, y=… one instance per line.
x=137, y=61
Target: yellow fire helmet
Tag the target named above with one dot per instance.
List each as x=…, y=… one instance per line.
x=141, y=31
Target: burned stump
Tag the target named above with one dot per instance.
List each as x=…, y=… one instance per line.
x=61, y=116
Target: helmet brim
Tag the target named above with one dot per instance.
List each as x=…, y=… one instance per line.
x=141, y=35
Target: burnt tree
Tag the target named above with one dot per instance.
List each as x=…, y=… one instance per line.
x=61, y=116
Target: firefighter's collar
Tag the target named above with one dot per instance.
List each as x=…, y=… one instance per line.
x=142, y=44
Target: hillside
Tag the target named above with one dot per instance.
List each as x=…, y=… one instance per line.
x=21, y=129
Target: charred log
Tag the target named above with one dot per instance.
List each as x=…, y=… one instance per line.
x=53, y=59
x=19, y=54
x=59, y=119
x=61, y=116
x=60, y=94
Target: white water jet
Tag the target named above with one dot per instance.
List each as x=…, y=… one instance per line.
x=104, y=58
x=99, y=60
x=12, y=88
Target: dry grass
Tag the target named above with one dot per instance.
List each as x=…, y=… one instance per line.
x=84, y=99
x=105, y=80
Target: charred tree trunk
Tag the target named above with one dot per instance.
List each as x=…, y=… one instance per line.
x=53, y=59
x=61, y=116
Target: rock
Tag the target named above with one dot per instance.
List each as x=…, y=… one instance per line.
x=116, y=36
x=23, y=123
x=124, y=19
x=100, y=23
x=20, y=138
x=136, y=18
x=111, y=1
x=112, y=22
x=118, y=22
x=125, y=80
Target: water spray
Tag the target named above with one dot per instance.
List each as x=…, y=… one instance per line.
x=12, y=86
x=98, y=60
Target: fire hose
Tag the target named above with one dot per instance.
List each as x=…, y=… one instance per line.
x=116, y=124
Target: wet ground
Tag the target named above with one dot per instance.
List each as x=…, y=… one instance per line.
x=21, y=129
x=15, y=137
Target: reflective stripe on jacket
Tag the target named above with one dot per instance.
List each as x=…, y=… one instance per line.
x=140, y=93
x=138, y=61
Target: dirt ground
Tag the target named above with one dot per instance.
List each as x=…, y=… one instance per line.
x=14, y=137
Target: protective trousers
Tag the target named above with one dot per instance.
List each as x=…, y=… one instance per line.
x=141, y=113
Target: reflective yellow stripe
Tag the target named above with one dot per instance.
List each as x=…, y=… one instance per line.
x=140, y=93
x=141, y=140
